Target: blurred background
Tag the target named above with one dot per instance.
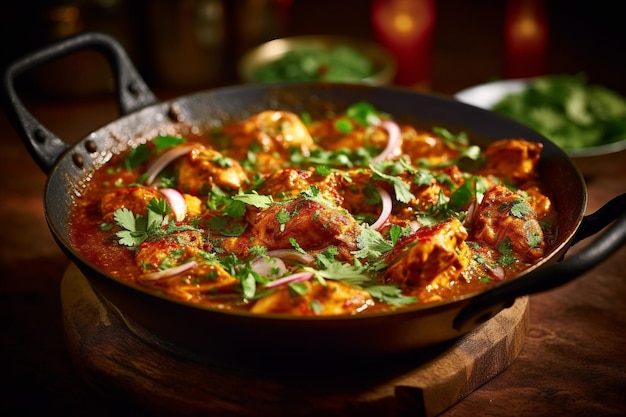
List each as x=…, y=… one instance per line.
x=187, y=45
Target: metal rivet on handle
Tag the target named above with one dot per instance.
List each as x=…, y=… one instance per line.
x=133, y=88
x=174, y=113
x=78, y=160
x=91, y=146
x=40, y=136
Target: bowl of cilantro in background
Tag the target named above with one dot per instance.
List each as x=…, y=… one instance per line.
x=318, y=58
x=586, y=120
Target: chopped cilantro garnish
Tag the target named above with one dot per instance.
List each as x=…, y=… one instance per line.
x=162, y=142
x=344, y=126
x=227, y=226
x=364, y=113
x=137, y=228
x=452, y=141
x=520, y=208
x=136, y=157
x=371, y=244
x=390, y=294
x=401, y=189
x=534, y=238
x=254, y=199
x=282, y=217
x=506, y=250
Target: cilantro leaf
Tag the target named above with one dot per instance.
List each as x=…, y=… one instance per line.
x=136, y=157
x=390, y=294
x=520, y=209
x=330, y=268
x=452, y=141
x=363, y=113
x=371, y=244
x=135, y=228
x=162, y=142
x=401, y=189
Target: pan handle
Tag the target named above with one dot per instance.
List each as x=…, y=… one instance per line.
x=45, y=147
x=489, y=303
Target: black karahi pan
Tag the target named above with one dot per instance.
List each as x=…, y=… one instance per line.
x=216, y=333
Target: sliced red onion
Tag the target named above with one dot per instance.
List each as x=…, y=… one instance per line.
x=176, y=201
x=292, y=254
x=385, y=198
x=170, y=272
x=469, y=216
x=165, y=159
x=297, y=277
x=393, y=140
x=267, y=266
x=497, y=272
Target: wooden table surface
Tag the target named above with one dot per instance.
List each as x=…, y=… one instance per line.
x=573, y=362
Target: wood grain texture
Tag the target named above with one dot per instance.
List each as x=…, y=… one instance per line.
x=127, y=364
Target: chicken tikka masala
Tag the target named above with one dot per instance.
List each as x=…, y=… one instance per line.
x=347, y=214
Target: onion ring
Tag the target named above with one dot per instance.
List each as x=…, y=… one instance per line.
x=497, y=272
x=297, y=277
x=165, y=159
x=265, y=265
x=176, y=201
x=170, y=272
x=393, y=140
x=292, y=254
x=385, y=198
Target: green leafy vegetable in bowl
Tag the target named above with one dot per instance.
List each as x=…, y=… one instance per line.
x=568, y=111
x=339, y=64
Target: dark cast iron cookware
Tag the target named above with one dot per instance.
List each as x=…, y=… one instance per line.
x=217, y=333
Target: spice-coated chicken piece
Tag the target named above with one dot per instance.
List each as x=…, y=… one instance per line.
x=505, y=217
x=266, y=133
x=288, y=183
x=314, y=225
x=358, y=137
x=351, y=190
x=170, y=250
x=208, y=283
x=333, y=298
x=434, y=255
x=426, y=146
x=135, y=199
x=513, y=159
x=540, y=202
x=204, y=167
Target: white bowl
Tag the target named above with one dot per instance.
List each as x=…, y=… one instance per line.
x=488, y=94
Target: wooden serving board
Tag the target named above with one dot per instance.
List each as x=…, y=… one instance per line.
x=122, y=364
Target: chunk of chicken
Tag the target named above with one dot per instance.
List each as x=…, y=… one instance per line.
x=170, y=250
x=333, y=298
x=313, y=224
x=288, y=183
x=506, y=217
x=424, y=145
x=435, y=255
x=513, y=159
x=350, y=190
x=266, y=133
x=541, y=203
x=204, y=167
x=207, y=283
x=358, y=137
x=134, y=198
